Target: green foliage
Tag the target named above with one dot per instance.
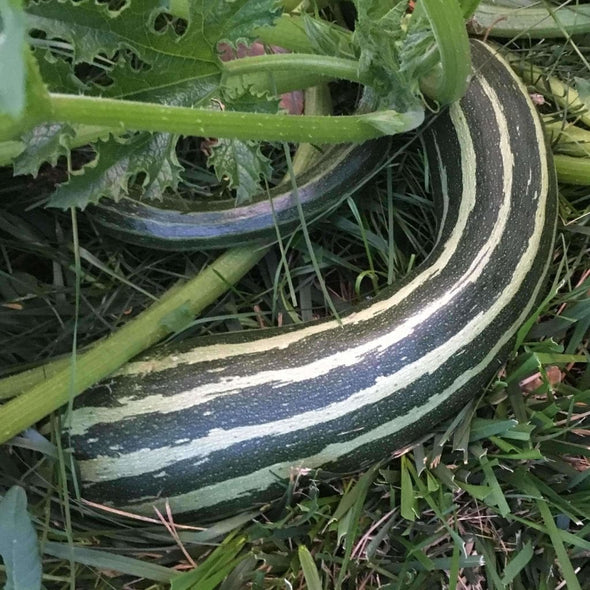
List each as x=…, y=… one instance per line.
x=145, y=52
x=241, y=163
x=155, y=54
x=118, y=162
x=18, y=542
x=399, y=51
x=214, y=569
x=44, y=143
x=103, y=560
x=50, y=141
x=382, y=33
x=330, y=39
x=496, y=498
x=464, y=506
x=310, y=571
x=142, y=56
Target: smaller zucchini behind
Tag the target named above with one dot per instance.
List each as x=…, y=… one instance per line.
x=340, y=171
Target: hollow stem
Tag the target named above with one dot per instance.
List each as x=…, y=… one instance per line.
x=141, y=116
x=326, y=65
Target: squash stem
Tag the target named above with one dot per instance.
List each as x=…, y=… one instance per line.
x=160, y=320
x=572, y=170
x=326, y=65
x=141, y=116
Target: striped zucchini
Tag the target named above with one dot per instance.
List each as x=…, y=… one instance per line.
x=341, y=170
x=220, y=426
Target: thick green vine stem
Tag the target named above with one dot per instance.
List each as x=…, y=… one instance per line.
x=160, y=320
x=143, y=116
x=20, y=382
x=572, y=170
x=326, y=65
x=448, y=81
x=230, y=267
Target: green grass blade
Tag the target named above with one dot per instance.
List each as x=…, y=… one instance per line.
x=214, y=569
x=518, y=563
x=496, y=497
x=486, y=548
x=359, y=492
x=562, y=557
x=310, y=571
x=110, y=561
x=408, y=496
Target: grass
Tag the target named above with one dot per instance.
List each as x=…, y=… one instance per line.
x=498, y=497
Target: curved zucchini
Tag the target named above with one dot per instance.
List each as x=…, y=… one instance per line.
x=340, y=171
x=510, y=19
x=214, y=428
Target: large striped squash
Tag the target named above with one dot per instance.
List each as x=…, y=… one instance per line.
x=214, y=427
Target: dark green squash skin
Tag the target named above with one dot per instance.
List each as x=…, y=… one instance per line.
x=214, y=428
x=338, y=172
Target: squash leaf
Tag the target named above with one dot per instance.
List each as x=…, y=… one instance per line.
x=44, y=143
x=141, y=52
x=18, y=543
x=241, y=163
x=396, y=49
x=118, y=162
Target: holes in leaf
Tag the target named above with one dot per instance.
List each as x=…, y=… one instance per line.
x=82, y=156
x=37, y=34
x=136, y=182
x=92, y=74
x=135, y=62
x=57, y=47
x=165, y=22
x=114, y=5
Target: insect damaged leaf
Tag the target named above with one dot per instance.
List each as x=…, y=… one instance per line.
x=144, y=52
x=140, y=51
x=118, y=162
x=242, y=163
x=44, y=143
x=49, y=141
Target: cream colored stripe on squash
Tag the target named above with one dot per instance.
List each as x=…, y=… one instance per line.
x=220, y=351
x=109, y=468
x=86, y=417
x=235, y=488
